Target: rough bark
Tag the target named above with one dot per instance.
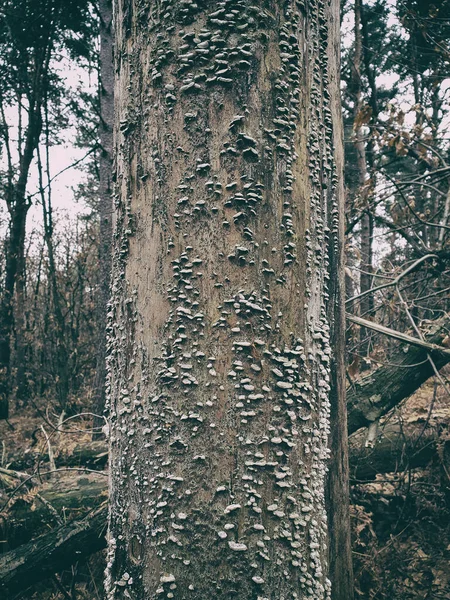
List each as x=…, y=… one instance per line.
x=220, y=326
x=338, y=494
x=374, y=395
x=105, y=204
x=52, y=552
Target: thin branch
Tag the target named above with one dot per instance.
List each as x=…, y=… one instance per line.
x=398, y=335
x=74, y=164
x=396, y=280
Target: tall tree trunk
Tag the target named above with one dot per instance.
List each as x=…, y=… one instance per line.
x=20, y=357
x=366, y=303
x=14, y=245
x=338, y=493
x=18, y=206
x=105, y=205
x=228, y=231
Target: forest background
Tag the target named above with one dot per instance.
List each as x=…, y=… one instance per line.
x=56, y=198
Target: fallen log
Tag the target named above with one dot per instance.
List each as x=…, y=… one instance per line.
x=52, y=552
x=92, y=454
x=374, y=395
x=45, y=505
x=397, y=448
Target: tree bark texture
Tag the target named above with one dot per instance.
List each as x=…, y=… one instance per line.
x=372, y=396
x=338, y=493
x=227, y=222
x=105, y=203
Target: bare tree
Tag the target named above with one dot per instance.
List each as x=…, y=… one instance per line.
x=225, y=329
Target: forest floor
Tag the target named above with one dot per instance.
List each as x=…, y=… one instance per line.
x=401, y=521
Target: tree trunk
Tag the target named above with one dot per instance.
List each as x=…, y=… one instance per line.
x=20, y=358
x=105, y=205
x=228, y=230
x=366, y=303
x=18, y=206
x=338, y=493
x=13, y=251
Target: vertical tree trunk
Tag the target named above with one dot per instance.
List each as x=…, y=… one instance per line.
x=14, y=249
x=338, y=492
x=18, y=206
x=105, y=205
x=20, y=358
x=228, y=231
x=366, y=303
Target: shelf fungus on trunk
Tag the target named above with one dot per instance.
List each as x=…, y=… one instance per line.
x=219, y=328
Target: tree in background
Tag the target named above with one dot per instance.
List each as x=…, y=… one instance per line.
x=106, y=85
x=399, y=85
x=31, y=33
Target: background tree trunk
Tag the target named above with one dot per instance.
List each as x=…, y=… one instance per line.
x=227, y=233
x=106, y=204
x=338, y=492
x=366, y=303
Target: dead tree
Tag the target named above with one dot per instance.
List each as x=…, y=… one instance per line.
x=227, y=276
x=374, y=395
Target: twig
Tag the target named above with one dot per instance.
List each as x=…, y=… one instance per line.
x=60, y=587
